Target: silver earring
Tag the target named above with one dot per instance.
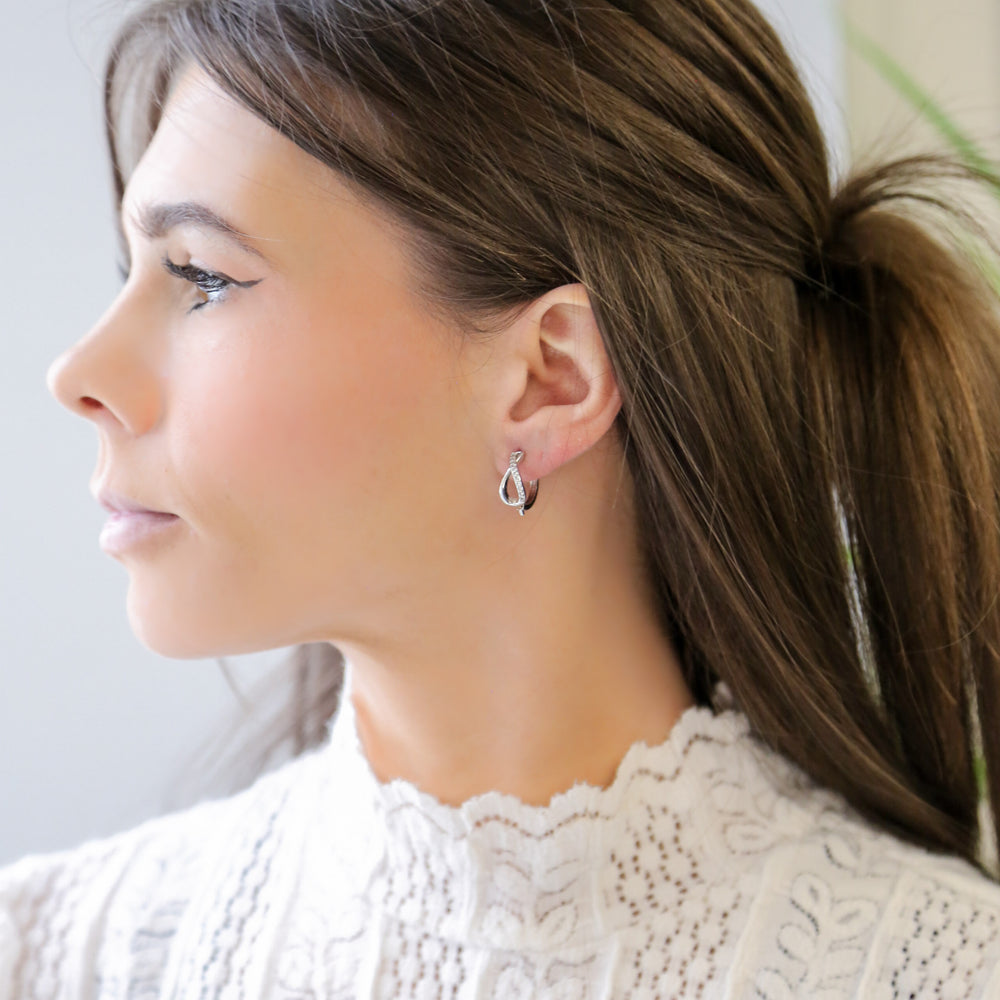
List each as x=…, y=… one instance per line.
x=524, y=500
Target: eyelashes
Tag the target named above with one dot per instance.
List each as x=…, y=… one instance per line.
x=212, y=284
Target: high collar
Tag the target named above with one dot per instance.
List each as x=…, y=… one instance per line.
x=504, y=874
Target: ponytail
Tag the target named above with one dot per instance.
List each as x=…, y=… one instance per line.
x=900, y=399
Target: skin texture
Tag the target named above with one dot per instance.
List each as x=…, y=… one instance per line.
x=333, y=449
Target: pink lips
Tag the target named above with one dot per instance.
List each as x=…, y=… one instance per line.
x=130, y=523
x=118, y=503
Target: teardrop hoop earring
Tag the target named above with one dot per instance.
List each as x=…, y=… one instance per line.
x=524, y=500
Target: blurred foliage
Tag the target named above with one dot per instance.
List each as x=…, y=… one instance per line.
x=907, y=87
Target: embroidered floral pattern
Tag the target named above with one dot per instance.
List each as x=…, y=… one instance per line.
x=944, y=944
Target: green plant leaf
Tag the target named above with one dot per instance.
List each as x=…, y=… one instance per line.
x=893, y=73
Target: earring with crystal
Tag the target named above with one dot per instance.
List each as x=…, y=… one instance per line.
x=524, y=500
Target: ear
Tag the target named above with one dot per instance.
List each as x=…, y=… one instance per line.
x=557, y=392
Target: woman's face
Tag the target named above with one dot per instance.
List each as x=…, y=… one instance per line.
x=304, y=416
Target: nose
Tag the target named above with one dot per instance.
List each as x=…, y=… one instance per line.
x=108, y=375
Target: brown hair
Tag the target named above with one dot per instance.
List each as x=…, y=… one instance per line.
x=809, y=377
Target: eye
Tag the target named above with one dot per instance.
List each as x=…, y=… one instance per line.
x=210, y=283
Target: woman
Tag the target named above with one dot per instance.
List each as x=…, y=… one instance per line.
x=693, y=708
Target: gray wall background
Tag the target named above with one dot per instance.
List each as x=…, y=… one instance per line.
x=95, y=730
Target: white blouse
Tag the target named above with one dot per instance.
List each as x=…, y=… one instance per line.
x=710, y=868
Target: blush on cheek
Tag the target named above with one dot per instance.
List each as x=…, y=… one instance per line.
x=291, y=414
x=276, y=435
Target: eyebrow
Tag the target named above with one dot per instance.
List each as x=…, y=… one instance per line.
x=155, y=221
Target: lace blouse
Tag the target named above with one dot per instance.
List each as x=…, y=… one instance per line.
x=710, y=868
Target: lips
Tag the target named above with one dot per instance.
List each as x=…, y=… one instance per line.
x=119, y=503
x=133, y=527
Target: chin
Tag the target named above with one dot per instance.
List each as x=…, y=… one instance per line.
x=175, y=644
x=173, y=622
x=177, y=637
x=180, y=637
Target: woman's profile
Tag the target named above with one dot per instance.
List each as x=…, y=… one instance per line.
x=638, y=486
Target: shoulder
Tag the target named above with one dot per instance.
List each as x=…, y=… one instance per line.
x=106, y=913
x=844, y=909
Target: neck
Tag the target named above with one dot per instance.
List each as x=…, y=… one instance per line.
x=536, y=674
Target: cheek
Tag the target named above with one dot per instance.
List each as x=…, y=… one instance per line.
x=304, y=417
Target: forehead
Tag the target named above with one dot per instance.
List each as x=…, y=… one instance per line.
x=210, y=149
x=300, y=215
